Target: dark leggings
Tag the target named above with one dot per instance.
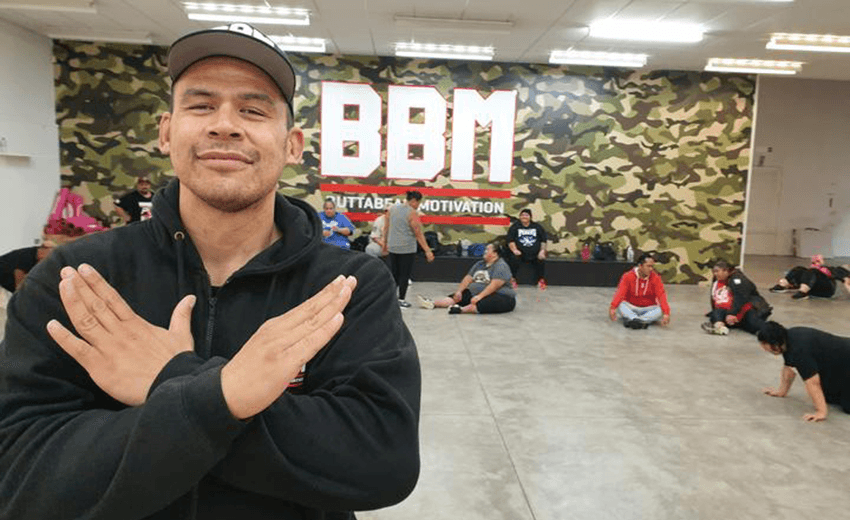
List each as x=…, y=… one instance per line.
x=751, y=323
x=531, y=258
x=493, y=304
x=819, y=283
x=401, y=266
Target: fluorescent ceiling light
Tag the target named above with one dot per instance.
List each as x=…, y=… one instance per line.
x=646, y=31
x=65, y=6
x=753, y=66
x=809, y=42
x=609, y=59
x=259, y=14
x=299, y=44
x=449, y=52
x=454, y=24
x=135, y=37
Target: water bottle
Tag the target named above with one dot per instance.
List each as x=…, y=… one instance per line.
x=630, y=254
x=585, y=252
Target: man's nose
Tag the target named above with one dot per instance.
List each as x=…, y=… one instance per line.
x=226, y=124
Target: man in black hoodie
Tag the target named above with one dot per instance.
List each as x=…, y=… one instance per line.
x=230, y=364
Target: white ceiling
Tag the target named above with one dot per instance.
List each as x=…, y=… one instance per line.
x=735, y=29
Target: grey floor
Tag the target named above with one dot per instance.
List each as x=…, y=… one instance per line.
x=554, y=412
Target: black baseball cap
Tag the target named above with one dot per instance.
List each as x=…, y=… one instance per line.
x=237, y=40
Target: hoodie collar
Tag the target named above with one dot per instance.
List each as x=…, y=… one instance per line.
x=297, y=221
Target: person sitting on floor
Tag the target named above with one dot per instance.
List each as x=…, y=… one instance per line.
x=821, y=359
x=336, y=228
x=735, y=302
x=527, y=242
x=484, y=290
x=816, y=280
x=640, y=297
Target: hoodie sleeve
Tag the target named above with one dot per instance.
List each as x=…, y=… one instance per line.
x=350, y=441
x=622, y=289
x=661, y=294
x=67, y=450
x=742, y=291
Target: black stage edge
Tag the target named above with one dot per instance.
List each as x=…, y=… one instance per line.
x=558, y=271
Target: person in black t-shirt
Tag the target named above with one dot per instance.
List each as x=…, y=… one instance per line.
x=15, y=265
x=527, y=242
x=129, y=206
x=821, y=359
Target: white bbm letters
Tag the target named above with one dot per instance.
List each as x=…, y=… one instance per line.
x=415, y=150
x=498, y=111
x=339, y=133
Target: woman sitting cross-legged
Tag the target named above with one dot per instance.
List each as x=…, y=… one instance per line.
x=485, y=289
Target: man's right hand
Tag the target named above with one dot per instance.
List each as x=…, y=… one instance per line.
x=612, y=313
x=773, y=392
x=262, y=369
x=429, y=256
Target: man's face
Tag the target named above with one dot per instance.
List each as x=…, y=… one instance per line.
x=227, y=137
x=720, y=274
x=330, y=209
x=770, y=349
x=414, y=203
x=646, y=267
x=524, y=218
x=144, y=186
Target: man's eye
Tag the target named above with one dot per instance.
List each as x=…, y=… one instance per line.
x=200, y=107
x=253, y=111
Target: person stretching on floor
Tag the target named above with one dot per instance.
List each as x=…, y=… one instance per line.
x=821, y=359
x=640, y=297
x=816, y=280
x=484, y=290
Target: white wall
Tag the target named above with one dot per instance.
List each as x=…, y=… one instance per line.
x=806, y=123
x=28, y=184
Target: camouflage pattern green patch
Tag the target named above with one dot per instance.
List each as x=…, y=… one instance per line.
x=657, y=160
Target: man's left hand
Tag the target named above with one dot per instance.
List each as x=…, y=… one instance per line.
x=815, y=417
x=731, y=320
x=665, y=320
x=122, y=352
x=429, y=256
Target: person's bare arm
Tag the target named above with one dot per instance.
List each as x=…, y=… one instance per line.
x=385, y=245
x=123, y=214
x=20, y=274
x=815, y=391
x=786, y=379
x=492, y=287
x=416, y=226
x=461, y=286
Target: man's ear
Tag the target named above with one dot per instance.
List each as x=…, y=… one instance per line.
x=296, y=146
x=164, y=135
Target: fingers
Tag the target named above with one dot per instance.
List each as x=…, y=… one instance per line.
x=181, y=319
x=331, y=297
x=74, y=346
x=79, y=303
x=106, y=292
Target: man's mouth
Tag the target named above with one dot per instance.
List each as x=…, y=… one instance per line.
x=224, y=156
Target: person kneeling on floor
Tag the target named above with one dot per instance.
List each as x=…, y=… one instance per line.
x=735, y=302
x=640, y=297
x=484, y=290
x=821, y=359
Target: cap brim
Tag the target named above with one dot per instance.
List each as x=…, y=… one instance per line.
x=206, y=44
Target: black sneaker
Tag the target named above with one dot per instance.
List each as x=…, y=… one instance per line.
x=778, y=289
x=454, y=309
x=800, y=296
x=403, y=304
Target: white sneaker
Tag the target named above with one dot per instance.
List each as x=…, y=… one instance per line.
x=721, y=330
x=424, y=302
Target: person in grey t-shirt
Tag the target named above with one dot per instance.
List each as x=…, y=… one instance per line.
x=402, y=230
x=485, y=289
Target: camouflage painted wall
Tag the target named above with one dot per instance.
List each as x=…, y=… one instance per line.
x=656, y=159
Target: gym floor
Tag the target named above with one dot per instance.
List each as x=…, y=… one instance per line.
x=554, y=412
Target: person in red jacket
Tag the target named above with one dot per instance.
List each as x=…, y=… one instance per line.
x=640, y=297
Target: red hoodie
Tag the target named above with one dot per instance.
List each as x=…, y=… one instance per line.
x=641, y=292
